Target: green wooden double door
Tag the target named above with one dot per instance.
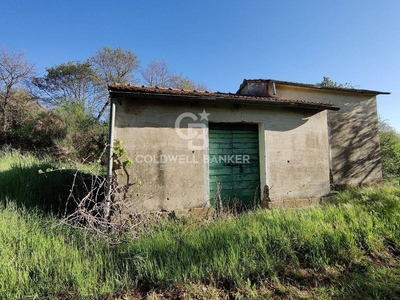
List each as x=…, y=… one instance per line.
x=234, y=164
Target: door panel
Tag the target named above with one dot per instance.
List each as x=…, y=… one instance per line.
x=234, y=163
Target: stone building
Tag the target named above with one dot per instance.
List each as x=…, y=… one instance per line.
x=273, y=142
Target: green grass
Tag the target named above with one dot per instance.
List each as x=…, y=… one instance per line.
x=34, y=182
x=263, y=244
x=343, y=250
x=41, y=259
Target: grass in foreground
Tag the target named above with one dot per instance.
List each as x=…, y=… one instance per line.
x=344, y=250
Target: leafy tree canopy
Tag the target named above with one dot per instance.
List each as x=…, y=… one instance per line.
x=327, y=82
x=115, y=65
x=73, y=82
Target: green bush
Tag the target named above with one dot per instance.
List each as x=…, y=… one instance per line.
x=67, y=132
x=85, y=139
x=390, y=151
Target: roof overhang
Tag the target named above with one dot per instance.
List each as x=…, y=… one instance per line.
x=143, y=92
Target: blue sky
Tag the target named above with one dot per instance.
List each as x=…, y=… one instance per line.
x=221, y=42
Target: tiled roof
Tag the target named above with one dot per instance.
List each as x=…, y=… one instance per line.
x=178, y=94
x=313, y=86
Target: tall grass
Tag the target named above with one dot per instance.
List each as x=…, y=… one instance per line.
x=40, y=183
x=41, y=258
x=261, y=244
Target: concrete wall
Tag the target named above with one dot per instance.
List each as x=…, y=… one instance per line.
x=354, y=138
x=294, y=159
x=147, y=130
x=298, y=155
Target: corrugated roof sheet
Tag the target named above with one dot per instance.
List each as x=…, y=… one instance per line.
x=146, y=91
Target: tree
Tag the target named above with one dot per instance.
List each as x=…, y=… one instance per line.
x=74, y=91
x=84, y=138
x=390, y=150
x=113, y=66
x=327, y=82
x=14, y=72
x=71, y=82
x=185, y=83
x=158, y=73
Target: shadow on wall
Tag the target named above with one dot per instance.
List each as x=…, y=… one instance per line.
x=281, y=122
x=56, y=191
x=354, y=139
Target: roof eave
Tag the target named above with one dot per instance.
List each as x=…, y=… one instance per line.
x=215, y=97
